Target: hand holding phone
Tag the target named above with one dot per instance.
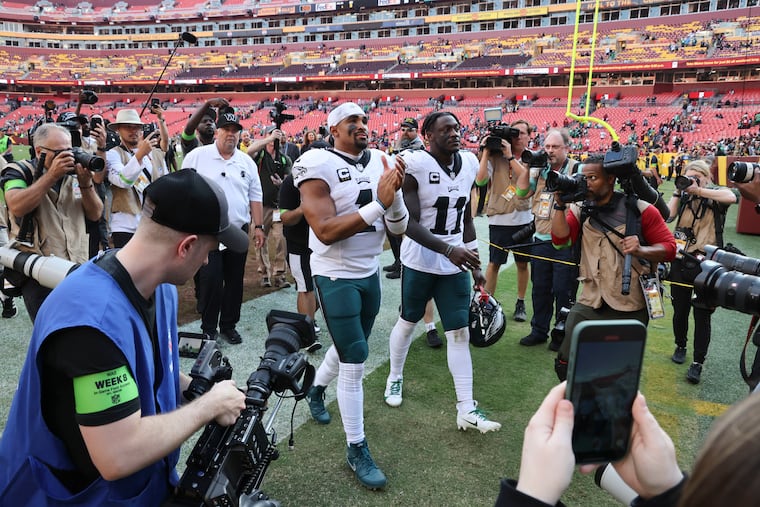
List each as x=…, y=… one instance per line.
x=603, y=379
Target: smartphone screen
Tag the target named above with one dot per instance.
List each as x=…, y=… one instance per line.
x=603, y=378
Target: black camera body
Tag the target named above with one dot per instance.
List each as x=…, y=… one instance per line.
x=278, y=116
x=88, y=97
x=574, y=188
x=539, y=159
x=90, y=161
x=148, y=129
x=524, y=234
x=209, y=368
x=621, y=161
x=742, y=172
x=498, y=132
x=683, y=182
x=155, y=102
x=227, y=464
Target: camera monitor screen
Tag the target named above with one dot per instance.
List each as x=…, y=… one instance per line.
x=492, y=114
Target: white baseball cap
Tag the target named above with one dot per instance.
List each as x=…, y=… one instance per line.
x=342, y=112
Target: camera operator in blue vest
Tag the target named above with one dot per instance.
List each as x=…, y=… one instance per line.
x=96, y=419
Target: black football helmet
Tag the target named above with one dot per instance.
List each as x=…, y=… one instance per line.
x=487, y=322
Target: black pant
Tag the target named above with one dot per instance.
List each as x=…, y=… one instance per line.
x=395, y=244
x=681, y=308
x=220, y=290
x=34, y=295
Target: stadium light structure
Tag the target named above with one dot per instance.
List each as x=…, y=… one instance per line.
x=183, y=37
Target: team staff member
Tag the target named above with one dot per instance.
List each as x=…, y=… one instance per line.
x=201, y=127
x=96, y=419
x=220, y=283
x=507, y=214
x=58, y=201
x=552, y=282
x=700, y=211
x=345, y=193
x=599, y=225
x=439, y=250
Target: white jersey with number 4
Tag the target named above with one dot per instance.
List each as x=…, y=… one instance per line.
x=443, y=194
x=351, y=187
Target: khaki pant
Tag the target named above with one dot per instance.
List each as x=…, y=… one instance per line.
x=268, y=267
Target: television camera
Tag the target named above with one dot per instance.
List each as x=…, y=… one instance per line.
x=227, y=464
x=498, y=132
x=278, y=116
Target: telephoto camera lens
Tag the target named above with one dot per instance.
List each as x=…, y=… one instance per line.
x=742, y=172
x=92, y=162
x=717, y=286
x=732, y=260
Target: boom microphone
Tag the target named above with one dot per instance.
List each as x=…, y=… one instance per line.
x=183, y=37
x=49, y=271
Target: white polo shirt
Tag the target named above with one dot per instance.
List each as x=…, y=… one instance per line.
x=238, y=177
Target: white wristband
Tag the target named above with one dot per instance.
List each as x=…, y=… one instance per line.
x=472, y=245
x=371, y=212
x=397, y=216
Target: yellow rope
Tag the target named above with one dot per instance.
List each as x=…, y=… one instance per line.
x=568, y=263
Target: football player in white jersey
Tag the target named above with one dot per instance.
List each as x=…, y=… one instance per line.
x=349, y=194
x=439, y=250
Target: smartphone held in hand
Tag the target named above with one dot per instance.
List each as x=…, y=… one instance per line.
x=603, y=379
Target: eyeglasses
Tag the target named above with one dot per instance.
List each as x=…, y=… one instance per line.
x=407, y=129
x=55, y=152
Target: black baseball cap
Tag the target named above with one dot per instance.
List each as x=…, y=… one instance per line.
x=410, y=123
x=227, y=117
x=188, y=202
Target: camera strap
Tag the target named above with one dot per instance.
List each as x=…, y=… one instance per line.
x=753, y=378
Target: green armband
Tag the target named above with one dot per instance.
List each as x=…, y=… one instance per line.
x=100, y=391
x=482, y=183
x=188, y=137
x=519, y=192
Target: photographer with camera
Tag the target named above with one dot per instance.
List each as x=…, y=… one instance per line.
x=598, y=227
x=132, y=166
x=273, y=167
x=508, y=215
x=699, y=208
x=96, y=419
x=48, y=200
x=552, y=282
